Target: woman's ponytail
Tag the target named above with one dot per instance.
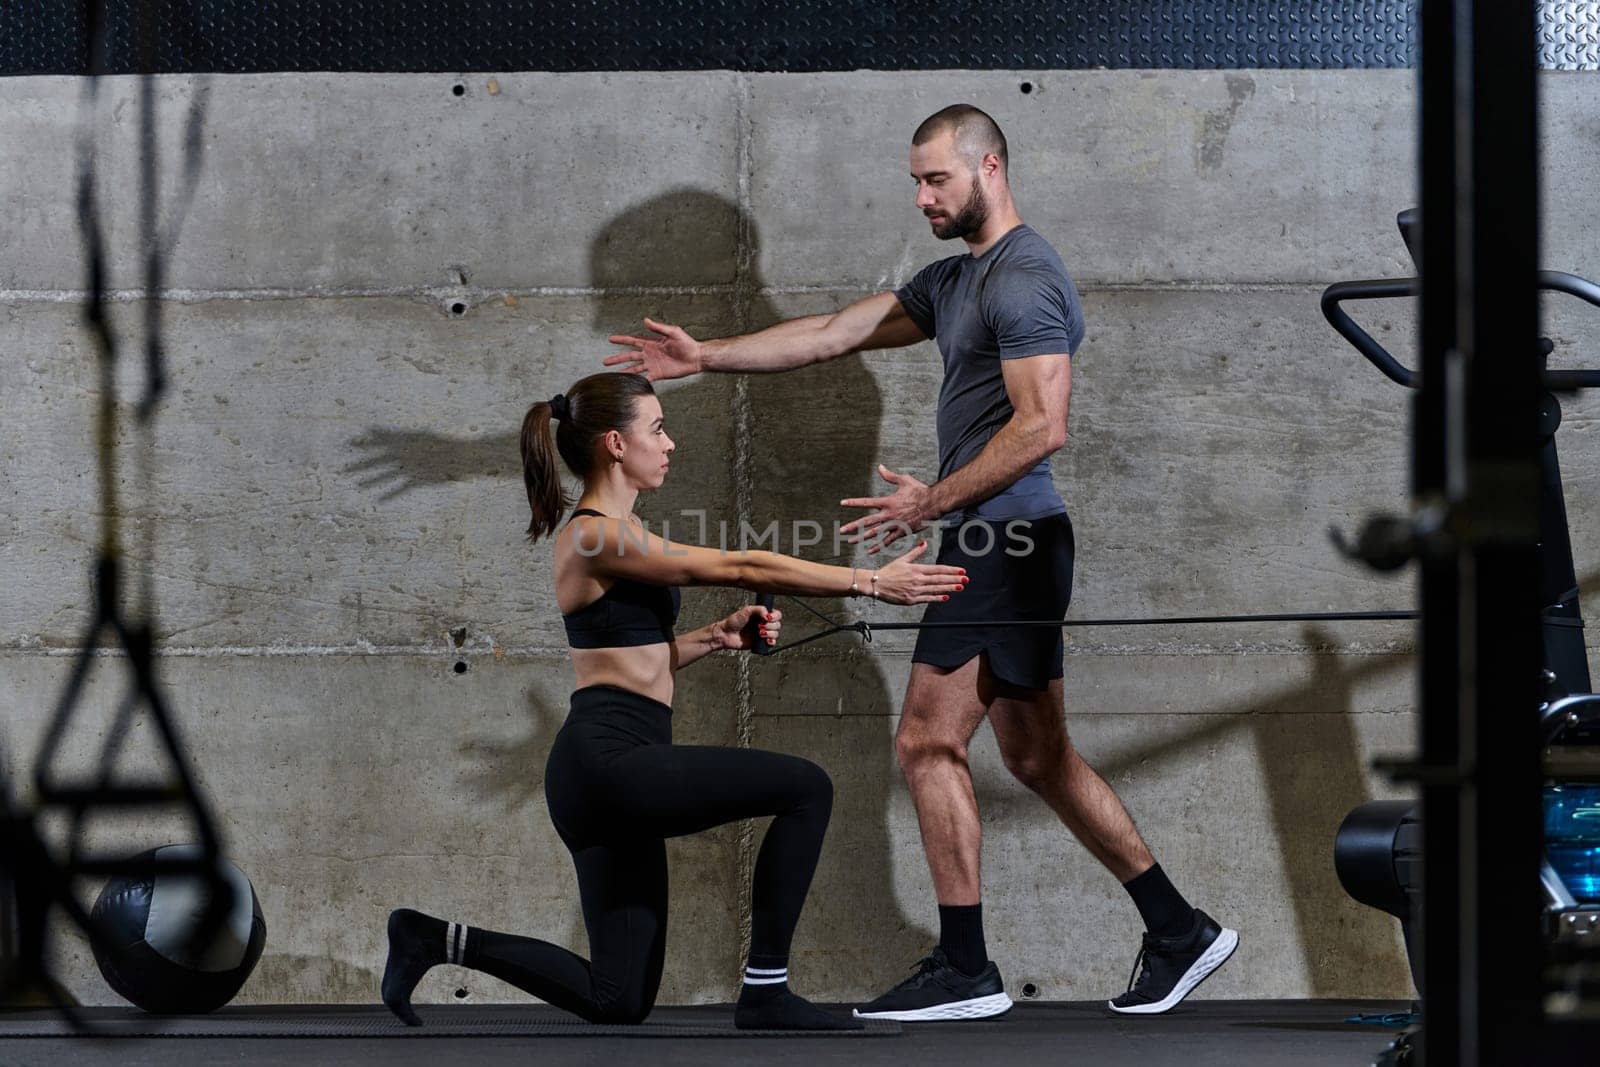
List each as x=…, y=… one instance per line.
x=547, y=497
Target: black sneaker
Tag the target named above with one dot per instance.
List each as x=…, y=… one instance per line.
x=1168, y=968
x=939, y=991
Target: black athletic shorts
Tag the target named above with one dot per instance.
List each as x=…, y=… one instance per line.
x=1020, y=569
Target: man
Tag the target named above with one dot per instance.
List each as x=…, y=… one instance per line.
x=1007, y=320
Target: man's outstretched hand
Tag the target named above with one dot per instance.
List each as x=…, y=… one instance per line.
x=894, y=516
x=670, y=353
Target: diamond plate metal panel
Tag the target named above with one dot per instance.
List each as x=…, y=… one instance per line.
x=1568, y=36
x=47, y=36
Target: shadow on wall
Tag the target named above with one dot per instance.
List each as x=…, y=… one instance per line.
x=397, y=461
x=394, y=461
x=1306, y=744
x=784, y=484
x=512, y=773
x=802, y=473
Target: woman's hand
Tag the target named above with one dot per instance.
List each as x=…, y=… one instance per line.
x=904, y=581
x=741, y=630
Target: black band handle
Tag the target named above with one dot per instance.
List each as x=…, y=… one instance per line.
x=763, y=647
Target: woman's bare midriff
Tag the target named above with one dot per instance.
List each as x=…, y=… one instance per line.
x=643, y=669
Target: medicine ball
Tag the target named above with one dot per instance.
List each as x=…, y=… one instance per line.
x=153, y=955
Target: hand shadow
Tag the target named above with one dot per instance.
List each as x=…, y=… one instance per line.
x=398, y=461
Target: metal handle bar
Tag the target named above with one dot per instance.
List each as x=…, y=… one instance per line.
x=1554, y=281
x=1339, y=319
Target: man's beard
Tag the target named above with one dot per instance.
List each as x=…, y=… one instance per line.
x=969, y=220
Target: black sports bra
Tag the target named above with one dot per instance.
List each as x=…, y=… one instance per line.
x=629, y=613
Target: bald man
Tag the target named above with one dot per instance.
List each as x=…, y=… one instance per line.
x=1007, y=320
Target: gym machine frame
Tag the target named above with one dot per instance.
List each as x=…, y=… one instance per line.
x=1474, y=530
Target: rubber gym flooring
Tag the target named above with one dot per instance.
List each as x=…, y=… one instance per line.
x=1245, y=1033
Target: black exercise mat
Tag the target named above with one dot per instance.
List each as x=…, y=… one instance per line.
x=368, y=1022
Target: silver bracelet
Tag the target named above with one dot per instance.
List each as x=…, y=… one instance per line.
x=854, y=590
x=874, y=585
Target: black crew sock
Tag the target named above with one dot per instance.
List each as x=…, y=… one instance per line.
x=961, y=937
x=767, y=1003
x=1165, y=912
x=416, y=944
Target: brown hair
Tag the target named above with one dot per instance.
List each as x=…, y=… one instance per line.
x=976, y=134
x=598, y=403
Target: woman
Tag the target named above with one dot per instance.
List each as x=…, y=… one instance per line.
x=616, y=785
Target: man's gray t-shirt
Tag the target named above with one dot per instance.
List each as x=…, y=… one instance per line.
x=1013, y=301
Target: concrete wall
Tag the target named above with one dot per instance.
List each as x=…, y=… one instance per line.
x=331, y=490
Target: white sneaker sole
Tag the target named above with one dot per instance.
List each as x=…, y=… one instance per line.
x=1209, y=960
x=976, y=1008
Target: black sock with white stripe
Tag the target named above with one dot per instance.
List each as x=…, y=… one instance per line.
x=416, y=943
x=767, y=1003
x=766, y=978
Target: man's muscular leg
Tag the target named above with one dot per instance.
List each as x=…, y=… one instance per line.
x=1030, y=726
x=957, y=980
x=1031, y=729
x=942, y=711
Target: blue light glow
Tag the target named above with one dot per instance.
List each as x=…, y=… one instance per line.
x=1572, y=838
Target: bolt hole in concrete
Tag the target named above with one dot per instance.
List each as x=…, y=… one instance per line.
x=458, y=308
x=1027, y=87
x=462, y=994
x=458, y=90
x=1030, y=991
x=461, y=666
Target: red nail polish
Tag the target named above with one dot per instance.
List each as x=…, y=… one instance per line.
x=944, y=598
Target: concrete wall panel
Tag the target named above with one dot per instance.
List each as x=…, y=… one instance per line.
x=325, y=472
x=1138, y=176
x=377, y=181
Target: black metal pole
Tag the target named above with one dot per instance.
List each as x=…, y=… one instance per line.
x=1437, y=732
x=1477, y=455
x=1500, y=575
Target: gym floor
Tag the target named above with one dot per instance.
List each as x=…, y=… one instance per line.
x=1304, y=1032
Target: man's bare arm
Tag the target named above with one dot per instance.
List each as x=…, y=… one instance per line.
x=1040, y=390
x=879, y=321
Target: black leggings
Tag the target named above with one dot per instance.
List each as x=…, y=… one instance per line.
x=617, y=787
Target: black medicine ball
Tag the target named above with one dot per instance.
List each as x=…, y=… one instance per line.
x=154, y=957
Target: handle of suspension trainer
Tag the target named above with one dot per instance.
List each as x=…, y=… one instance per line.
x=763, y=647
x=1362, y=341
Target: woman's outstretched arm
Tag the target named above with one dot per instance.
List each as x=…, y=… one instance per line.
x=611, y=549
